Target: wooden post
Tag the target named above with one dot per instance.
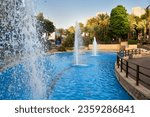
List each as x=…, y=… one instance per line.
x=117, y=60
x=139, y=51
x=137, y=75
x=121, y=66
x=126, y=68
x=128, y=52
x=135, y=51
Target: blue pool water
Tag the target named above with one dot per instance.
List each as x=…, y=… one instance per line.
x=95, y=80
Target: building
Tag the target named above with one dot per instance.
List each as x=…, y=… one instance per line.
x=52, y=38
x=138, y=11
x=56, y=38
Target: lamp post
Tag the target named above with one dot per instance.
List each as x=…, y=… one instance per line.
x=148, y=23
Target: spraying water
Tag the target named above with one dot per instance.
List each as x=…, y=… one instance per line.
x=94, y=47
x=19, y=40
x=77, y=45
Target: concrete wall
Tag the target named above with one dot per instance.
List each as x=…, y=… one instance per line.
x=124, y=43
x=113, y=47
x=132, y=47
x=137, y=92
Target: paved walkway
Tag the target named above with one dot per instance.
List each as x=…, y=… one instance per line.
x=147, y=47
x=145, y=62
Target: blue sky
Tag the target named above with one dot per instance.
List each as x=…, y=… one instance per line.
x=65, y=13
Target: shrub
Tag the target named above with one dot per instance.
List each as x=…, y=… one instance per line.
x=69, y=41
x=132, y=42
x=106, y=40
x=61, y=48
x=69, y=48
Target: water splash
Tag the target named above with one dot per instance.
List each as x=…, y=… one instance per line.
x=20, y=41
x=94, y=47
x=78, y=45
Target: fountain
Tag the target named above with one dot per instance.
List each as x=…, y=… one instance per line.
x=29, y=73
x=20, y=41
x=78, y=45
x=94, y=47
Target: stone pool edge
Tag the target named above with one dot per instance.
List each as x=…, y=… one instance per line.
x=137, y=92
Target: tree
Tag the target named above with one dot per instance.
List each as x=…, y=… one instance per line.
x=81, y=26
x=91, y=25
x=148, y=22
x=46, y=25
x=103, y=24
x=137, y=28
x=98, y=27
x=61, y=31
x=119, y=23
x=71, y=29
x=69, y=40
x=40, y=16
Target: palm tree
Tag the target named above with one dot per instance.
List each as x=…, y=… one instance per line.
x=137, y=27
x=98, y=26
x=103, y=23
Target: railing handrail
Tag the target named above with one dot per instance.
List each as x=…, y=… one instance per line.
x=121, y=61
x=134, y=63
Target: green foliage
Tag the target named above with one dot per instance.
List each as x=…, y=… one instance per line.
x=87, y=41
x=71, y=29
x=106, y=40
x=69, y=48
x=119, y=24
x=143, y=16
x=69, y=41
x=81, y=26
x=61, y=48
x=40, y=17
x=132, y=42
x=46, y=25
x=137, y=26
x=110, y=29
x=98, y=26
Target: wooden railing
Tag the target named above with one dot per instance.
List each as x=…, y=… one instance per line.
x=139, y=73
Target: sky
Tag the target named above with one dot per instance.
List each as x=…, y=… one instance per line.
x=64, y=13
